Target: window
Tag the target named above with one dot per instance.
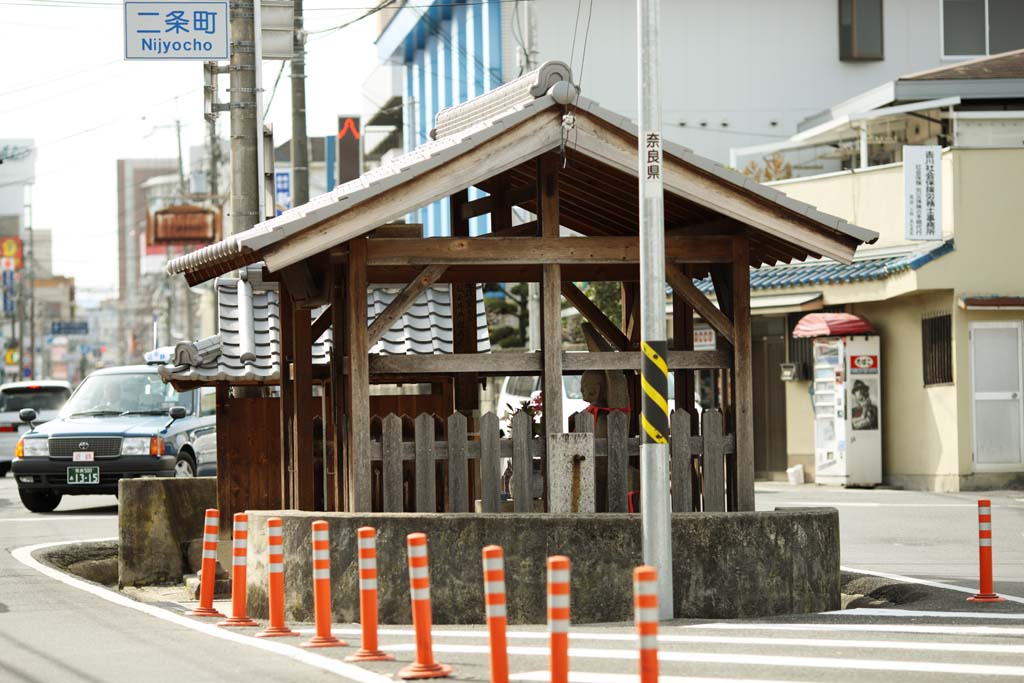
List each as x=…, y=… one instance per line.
x=937, y=348
x=860, y=30
x=981, y=27
x=207, y=401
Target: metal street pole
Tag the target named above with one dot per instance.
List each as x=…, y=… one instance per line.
x=299, y=147
x=655, y=504
x=246, y=185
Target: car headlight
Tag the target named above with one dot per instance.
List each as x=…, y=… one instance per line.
x=142, y=445
x=33, y=448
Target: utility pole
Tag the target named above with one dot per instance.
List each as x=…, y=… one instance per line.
x=30, y=256
x=655, y=504
x=246, y=137
x=299, y=146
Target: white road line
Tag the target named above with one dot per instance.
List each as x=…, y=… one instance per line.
x=872, y=612
x=872, y=628
x=924, y=582
x=47, y=518
x=24, y=555
x=586, y=677
x=837, y=663
x=844, y=504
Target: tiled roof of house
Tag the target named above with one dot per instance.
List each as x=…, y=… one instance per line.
x=1003, y=65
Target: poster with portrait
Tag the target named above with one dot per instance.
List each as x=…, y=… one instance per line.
x=863, y=403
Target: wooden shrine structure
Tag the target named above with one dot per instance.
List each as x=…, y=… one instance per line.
x=534, y=144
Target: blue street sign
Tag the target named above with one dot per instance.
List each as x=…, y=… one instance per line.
x=176, y=30
x=69, y=327
x=282, y=191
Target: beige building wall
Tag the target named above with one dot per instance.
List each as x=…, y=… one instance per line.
x=928, y=441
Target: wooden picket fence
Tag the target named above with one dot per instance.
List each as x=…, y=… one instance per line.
x=417, y=468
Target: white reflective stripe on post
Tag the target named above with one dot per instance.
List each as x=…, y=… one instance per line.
x=645, y=587
x=558, y=600
x=320, y=536
x=321, y=554
x=238, y=561
x=649, y=642
x=985, y=526
x=985, y=542
x=417, y=551
x=418, y=573
x=558, y=626
x=984, y=511
x=211, y=520
x=365, y=543
x=209, y=538
x=495, y=610
x=321, y=573
x=494, y=587
x=239, y=543
x=493, y=563
x=558, y=576
x=420, y=593
x=646, y=614
x=276, y=568
x=209, y=554
x=367, y=563
x=367, y=584
x=241, y=526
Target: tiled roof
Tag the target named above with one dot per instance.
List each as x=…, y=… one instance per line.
x=425, y=328
x=1003, y=65
x=828, y=272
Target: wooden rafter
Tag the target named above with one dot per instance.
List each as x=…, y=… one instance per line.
x=593, y=314
x=400, y=304
x=683, y=286
x=321, y=324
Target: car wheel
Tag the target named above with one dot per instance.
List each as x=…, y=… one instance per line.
x=185, y=466
x=40, y=501
x=5, y=467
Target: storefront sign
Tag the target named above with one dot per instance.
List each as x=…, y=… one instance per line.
x=10, y=253
x=863, y=365
x=922, y=184
x=703, y=339
x=184, y=225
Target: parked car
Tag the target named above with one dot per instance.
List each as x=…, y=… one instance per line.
x=119, y=423
x=46, y=397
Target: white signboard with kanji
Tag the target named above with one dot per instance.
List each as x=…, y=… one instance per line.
x=176, y=30
x=922, y=191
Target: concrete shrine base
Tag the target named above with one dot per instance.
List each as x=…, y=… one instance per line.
x=726, y=565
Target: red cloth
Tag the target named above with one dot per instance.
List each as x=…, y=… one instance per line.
x=596, y=410
x=831, y=325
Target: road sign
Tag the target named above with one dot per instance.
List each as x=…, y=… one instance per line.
x=10, y=253
x=176, y=30
x=69, y=327
x=8, y=291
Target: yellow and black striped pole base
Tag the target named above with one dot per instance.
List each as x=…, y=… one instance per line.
x=654, y=381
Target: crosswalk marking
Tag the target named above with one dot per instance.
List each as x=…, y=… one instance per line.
x=930, y=629
x=588, y=677
x=906, y=613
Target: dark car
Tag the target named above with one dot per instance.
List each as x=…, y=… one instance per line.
x=119, y=423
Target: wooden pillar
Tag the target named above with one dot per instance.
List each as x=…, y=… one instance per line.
x=685, y=383
x=467, y=384
x=357, y=385
x=337, y=499
x=287, y=355
x=551, y=307
x=743, y=375
x=302, y=472
x=225, y=471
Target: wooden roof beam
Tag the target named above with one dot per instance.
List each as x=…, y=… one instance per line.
x=400, y=304
x=682, y=285
x=593, y=314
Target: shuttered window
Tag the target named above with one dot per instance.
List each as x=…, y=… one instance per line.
x=937, y=348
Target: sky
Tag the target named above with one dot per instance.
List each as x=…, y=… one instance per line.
x=65, y=83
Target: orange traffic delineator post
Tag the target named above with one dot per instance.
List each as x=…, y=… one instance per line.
x=239, y=557
x=419, y=588
x=645, y=606
x=985, y=591
x=495, y=609
x=275, y=574
x=558, y=617
x=322, y=589
x=369, y=652
x=208, y=572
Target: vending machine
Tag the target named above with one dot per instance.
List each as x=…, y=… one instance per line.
x=847, y=397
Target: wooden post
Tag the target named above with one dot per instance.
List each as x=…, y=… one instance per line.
x=302, y=474
x=551, y=302
x=685, y=385
x=225, y=474
x=358, y=381
x=338, y=396
x=287, y=355
x=743, y=376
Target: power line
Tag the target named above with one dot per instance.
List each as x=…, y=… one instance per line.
x=39, y=84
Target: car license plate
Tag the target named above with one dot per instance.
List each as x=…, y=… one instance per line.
x=83, y=475
x=82, y=456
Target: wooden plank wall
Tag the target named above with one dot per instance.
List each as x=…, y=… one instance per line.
x=249, y=455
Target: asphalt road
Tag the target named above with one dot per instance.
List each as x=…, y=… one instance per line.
x=58, y=632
